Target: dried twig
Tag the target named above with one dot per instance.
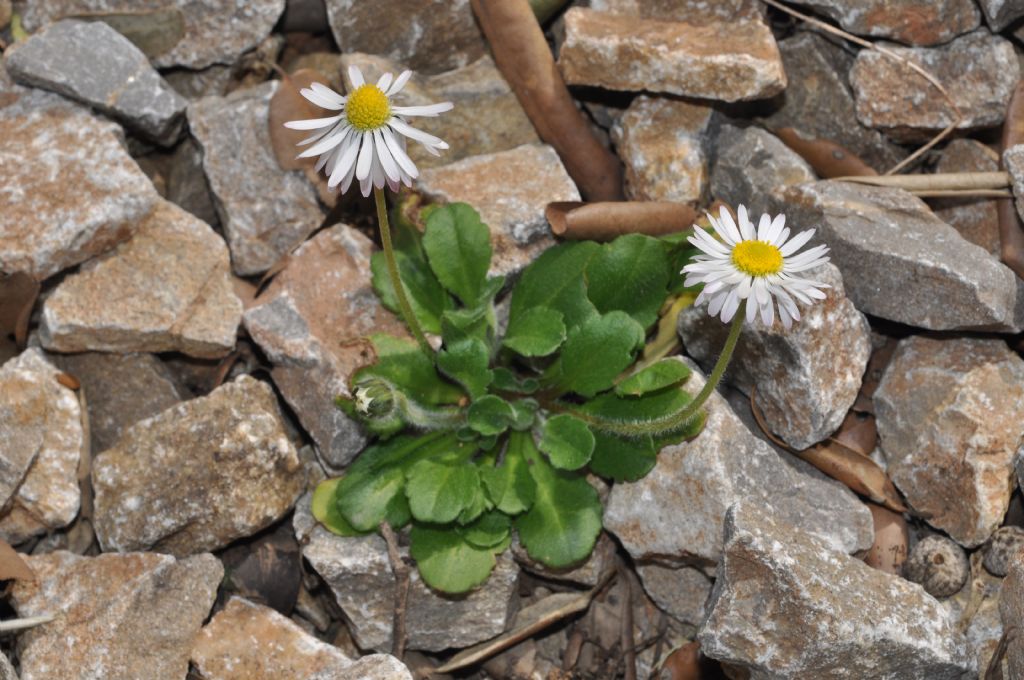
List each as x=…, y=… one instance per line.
x=605, y=220
x=401, y=571
x=22, y=624
x=941, y=181
x=959, y=117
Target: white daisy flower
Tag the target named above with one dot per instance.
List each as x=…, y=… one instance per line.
x=366, y=140
x=757, y=265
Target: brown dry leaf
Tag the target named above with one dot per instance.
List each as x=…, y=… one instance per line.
x=18, y=293
x=683, y=663
x=605, y=220
x=858, y=433
x=289, y=104
x=12, y=566
x=889, y=551
x=826, y=157
x=69, y=381
x=858, y=472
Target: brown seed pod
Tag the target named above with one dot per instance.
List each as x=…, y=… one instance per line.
x=938, y=564
x=1005, y=543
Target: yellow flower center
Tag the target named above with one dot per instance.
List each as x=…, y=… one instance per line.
x=757, y=258
x=367, y=108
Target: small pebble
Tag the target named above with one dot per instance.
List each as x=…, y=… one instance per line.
x=1001, y=548
x=938, y=564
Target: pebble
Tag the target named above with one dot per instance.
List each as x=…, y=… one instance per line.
x=1002, y=549
x=939, y=565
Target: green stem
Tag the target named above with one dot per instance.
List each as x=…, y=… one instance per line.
x=681, y=418
x=396, y=280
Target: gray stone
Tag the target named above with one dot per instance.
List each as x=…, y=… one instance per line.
x=359, y=574
x=199, y=475
x=979, y=70
x=1002, y=548
x=902, y=263
x=308, y=16
x=7, y=671
x=950, y=416
x=121, y=390
x=786, y=605
x=623, y=52
x=265, y=211
x=118, y=617
x=977, y=607
x=915, y=22
x=429, y=36
x=304, y=322
x=41, y=440
x=190, y=33
x=212, y=81
x=664, y=144
x=92, y=63
x=976, y=219
x=510, y=189
x=1001, y=13
x=698, y=12
x=818, y=104
x=487, y=117
x=187, y=186
x=169, y=288
x=1013, y=161
x=69, y=188
x=681, y=592
x=1011, y=612
x=750, y=163
x=698, y=480
x=806, y=378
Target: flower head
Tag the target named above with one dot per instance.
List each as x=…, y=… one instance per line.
x=758, y=265
x=366, y=139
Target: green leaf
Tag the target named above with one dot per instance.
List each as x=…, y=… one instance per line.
x=623, y=460
x=507, y=381
x=630, y=274
x=428, y=298
x=649, y=410
x=401, y=362
x=438, y=490
x=490, y=415
x=525, y=413
x=465, y=362
x=538, y=332
x=325, y=510
x=476, y=506
x=562, y=526
x=510, y=486
x=488, y=531
x=660, y=374
x=568, y=442
x=596, y=352
x=458, y=246
x=555, y=280
x=446, y=561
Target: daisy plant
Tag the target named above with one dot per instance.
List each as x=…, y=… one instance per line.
x=505, y=430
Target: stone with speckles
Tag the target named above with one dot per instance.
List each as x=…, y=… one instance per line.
x=805, y=378
x=1001, y=13
x=680, y=591
x=1011, y=613
x=950, y=415
x=976, y=219
x=915, y=22
x=198, y=475
x=92, y=63
x=510, y=190
x=690, y=11
x=118, y=617
x=698, y=480
x=786, y=605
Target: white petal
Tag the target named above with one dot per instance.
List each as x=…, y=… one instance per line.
x=312, y=123
x=427, y=110
x=404, y=128
x=320, y=100
x=355, y=76
x=327, y=93
x=326, y=144
x=773, y=231
x=768, y=313
x=387, y=162
x=398, y=153
x=763, y=226
x=399, y=83
x=732, y=303
x=346, y=164
x=365, y=161
x=751, y=311
x=716, y=303
x=798, y=241
x=729, y=231
x=746, y=227
x=384, y=82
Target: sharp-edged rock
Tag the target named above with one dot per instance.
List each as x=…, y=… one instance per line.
x=977, y=220
x=680, y=591
x=915, y=22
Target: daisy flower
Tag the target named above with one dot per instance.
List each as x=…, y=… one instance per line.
x=760, y=265
x=366, y=139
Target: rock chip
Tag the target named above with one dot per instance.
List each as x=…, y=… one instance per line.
x=41, y=440
x=69, y=187
x=510, y=189
x=429, y=36
x=487, y=116
x=750, y=163
x=622, y=52
x=806, y=378
x=950, y=415
x=1011, y=612
x=190, y=33
x=980, y=71
x=701, y=478
x=359, y=574
x=167, y=289
x=1002, y=549
x=777, y=584
x=818, y=103
x=92, y=63
x=664, y=145
x=119, y=617
x=121, y=390
x=213, y=80
x=1001, y=13
x=265, y=211
x=915, y=22
x=977, y=220
x=902, y=263
x=681, y=592
x=187, y=186
x=305, y=321
x=199, y=475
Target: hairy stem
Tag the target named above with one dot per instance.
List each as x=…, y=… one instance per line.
x=396, y=280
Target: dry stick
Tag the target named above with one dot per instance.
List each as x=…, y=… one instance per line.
x=889, y=53
x=401, y=572
x=524, y=58
x=21, y=624
x=943, y=181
